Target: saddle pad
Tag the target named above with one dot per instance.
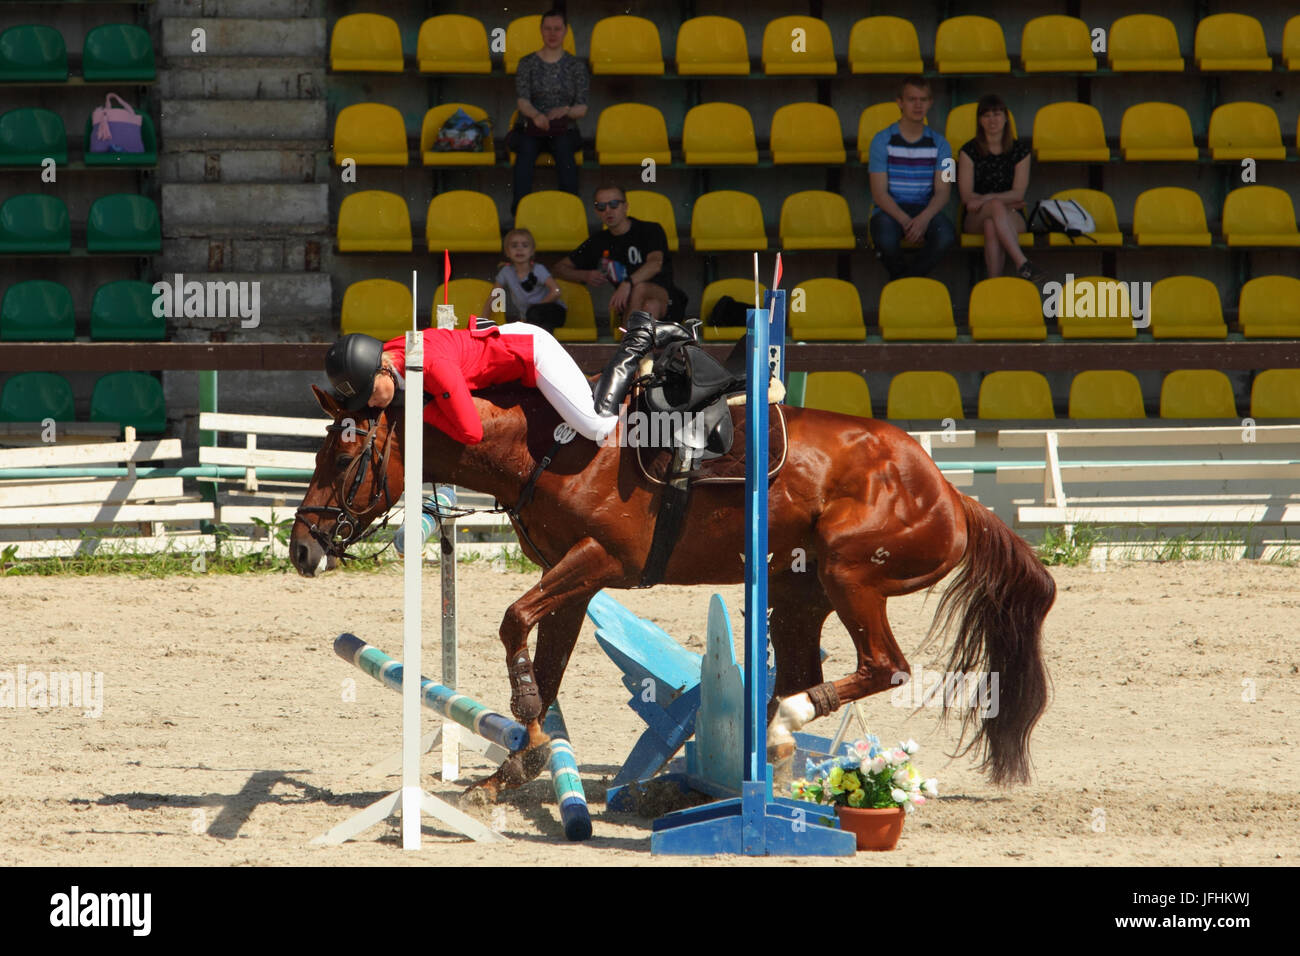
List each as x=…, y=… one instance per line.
x=655, y=462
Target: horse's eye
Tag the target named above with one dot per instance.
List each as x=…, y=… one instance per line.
x=342, y=461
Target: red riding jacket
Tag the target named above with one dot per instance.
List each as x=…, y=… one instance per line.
x=457, y=361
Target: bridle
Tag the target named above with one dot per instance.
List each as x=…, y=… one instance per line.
x=348, y=518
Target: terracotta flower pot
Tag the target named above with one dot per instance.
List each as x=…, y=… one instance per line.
x=876, y=829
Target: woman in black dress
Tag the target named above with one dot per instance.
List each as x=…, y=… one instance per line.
x=992, y=175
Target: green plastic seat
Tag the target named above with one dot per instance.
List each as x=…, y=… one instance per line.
x=117, y=51
x=37, y=311
x=29, y=136
x=33, y=53
x=148, y=139
x=123, y=222
x=132, y=398
x=36, y=396
x=34, y=223
x=123, y=310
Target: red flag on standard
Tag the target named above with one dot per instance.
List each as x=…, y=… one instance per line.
x=776, y=278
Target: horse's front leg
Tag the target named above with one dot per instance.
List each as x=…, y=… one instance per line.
x=558, y=602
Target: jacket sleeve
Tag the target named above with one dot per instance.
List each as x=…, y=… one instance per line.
x=450, y=407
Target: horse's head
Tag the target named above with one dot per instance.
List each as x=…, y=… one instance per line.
x=358, y=478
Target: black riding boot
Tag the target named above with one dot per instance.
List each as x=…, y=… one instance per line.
x=643, y=334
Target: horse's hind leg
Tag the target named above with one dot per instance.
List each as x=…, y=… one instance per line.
x=799, y=609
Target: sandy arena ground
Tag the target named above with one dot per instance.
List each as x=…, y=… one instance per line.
x=225, y=739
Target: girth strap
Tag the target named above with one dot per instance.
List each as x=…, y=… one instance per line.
x=672, y=511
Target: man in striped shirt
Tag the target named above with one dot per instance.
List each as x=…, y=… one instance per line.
x=906, y=165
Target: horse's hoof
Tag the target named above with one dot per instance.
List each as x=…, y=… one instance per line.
x=782, y=770
x=476, y=797
x=781, y=753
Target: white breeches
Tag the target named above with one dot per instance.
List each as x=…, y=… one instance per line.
x=562, y=382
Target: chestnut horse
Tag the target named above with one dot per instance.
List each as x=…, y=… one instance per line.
x=858, y=514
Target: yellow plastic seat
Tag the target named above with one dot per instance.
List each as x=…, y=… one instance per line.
x=831, y=311
x=923, y=395
x=742, y=290
x=815, y=219
x=543, y=158
x=435, y=119
x=712, y=46
x=970, y=45
x=1269, y=308
x=1102, y=209
x=1186, y=307
x=727, y=220
x=719, y=134
x=378, y=307
x=1144, y=42
x=557, y=220
x=1291, y=44
x=580, y=315
x=1197, y=393
x=1231, y=41
x=1006, y=308
x=627, y=134
x=524, y=36
x=1109, y=393
x=626, y=46
x=843, y=392
x=654, y=207
x=807, y=133
x=463, y=221
x=453, y=43
x=1069, y=132
x=874, y=119
x=1259, y=216
x=916, y=309
x=959, y=128
x=1156, y=131
x=374, y=221
x=1057, y=44
x=1101, y=309
x=371, y=134
x=366, y=42
x=884, y=45
x=1275, y=393
x=1245, y=131
x=798, y=46
x=467, y=297
x=1015, y=395
x=1170, y=216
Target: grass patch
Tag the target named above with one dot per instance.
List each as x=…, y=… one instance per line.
x=1060, y=549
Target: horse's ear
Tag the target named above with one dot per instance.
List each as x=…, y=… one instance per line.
x=327, y=402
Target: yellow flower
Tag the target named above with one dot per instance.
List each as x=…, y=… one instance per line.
x=836, y=775
x=857, y=797
x=851, y=781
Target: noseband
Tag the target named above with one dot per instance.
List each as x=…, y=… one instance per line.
x=348, y=518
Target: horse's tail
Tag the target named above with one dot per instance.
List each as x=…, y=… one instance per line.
x=1001, y=594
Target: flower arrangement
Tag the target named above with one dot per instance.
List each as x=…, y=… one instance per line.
x=868, y=776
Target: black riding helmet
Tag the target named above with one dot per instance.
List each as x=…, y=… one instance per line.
x=351, y=364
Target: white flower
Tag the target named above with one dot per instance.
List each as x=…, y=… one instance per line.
x=878, y=763
x=901, y=778
x=911, y=746
x=918, y=800
x=898, y=796
x=931, y=787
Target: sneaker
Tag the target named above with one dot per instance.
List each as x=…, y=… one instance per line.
x=1030, y=271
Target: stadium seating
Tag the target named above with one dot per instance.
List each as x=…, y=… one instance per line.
x=123, y=311
x=1197, y=393
x=627, y=134
x=452, y=43
x=626, y=46
x=1156, y=132
x=1105, y=302
x=1057, y=44
x=1006, y=308
x=370, y=134
x=580, y=315
x=544, y=158
x=131, y=398
x=1144, y=42
x=467, y=297
x=1269, y=307
x=34, y=223
x=1275, y=393
x=1015, y=395
x=971, y=44
x=815, y=219
x=368, y=42
x=1259, y=216
x=712, y=46
x=807, y=133
x=36, y=396
x=148, y=139
x=1102, y=209
x=1186, y=307
x=742, y=290
x=1245, y=131
x=557, y=220
x=959, y=129
x=29, y=136
x=873, y=119
x=727, y=220
x=1069, y=132
x=123, y=222
x=374, y=221
x=33, y=54
x=831, y=311
x=1291, y=44
x=916, y=309
x=719, y=134
x=524, y=36
x=923, y=395
x=434, y=120
x=975, y=240
x=884, y=45
x=462, y=220
x=843, y=392
x=798, y=46
x=1106, y=394
x=37, y=310
x=1231, y=41
x=117, y=51
x=378, y=307
x=654, y=207
x=1170, y=216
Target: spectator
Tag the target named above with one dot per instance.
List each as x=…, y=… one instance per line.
x=992, y=175
x=531, y=295
x=551, y=85
x=906, y=167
